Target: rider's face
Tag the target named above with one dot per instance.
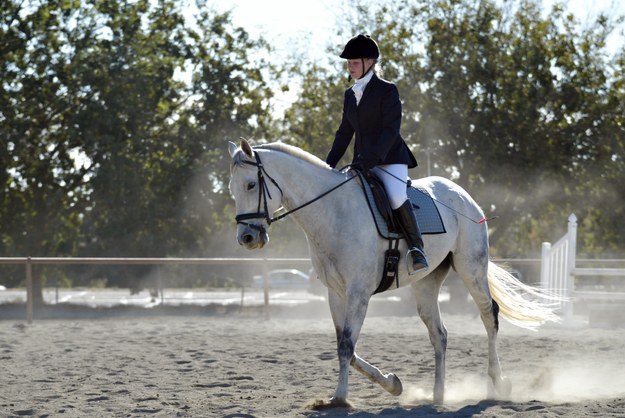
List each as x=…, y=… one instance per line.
x=355, y=67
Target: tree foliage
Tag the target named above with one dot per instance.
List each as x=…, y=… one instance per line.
x=527, y=128
x=520, y=108
x=115, y=115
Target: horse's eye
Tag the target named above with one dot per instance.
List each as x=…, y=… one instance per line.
x=251, y=185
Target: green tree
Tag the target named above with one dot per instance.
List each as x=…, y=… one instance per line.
x=312, y=120
x=519, y=108
x=42, y=187
x=117, y=116
x=161, y=185
x=528, y=114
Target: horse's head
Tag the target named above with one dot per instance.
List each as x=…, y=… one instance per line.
x=256, y=195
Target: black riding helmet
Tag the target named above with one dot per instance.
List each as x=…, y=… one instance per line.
x=361, y=46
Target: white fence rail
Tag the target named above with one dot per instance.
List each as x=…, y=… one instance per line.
x=28, y=262
x=559, y=272
x=557, y=262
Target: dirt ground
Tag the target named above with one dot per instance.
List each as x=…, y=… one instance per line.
x=233, y=364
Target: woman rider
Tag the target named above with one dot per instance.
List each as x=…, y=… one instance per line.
x=372, y=112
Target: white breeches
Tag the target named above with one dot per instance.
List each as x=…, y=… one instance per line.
x=390, y=174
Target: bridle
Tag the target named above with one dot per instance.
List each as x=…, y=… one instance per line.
x=263, y=193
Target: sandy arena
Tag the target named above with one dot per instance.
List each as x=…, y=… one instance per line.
x=240, y=365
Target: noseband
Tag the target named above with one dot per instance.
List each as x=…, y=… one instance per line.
x=263, y=193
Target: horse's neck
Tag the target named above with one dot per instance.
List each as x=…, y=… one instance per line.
x=331, y=223
x=302, y=181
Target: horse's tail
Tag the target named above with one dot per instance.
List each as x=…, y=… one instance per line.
x=522, y=305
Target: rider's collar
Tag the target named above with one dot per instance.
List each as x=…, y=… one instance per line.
x=361, y=83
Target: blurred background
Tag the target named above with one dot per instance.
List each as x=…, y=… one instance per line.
x=115, y=117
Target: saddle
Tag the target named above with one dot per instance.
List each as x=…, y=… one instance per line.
x=426, y=212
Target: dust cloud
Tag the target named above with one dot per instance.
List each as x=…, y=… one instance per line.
x=575, y=380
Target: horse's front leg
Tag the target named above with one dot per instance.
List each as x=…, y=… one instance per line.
x=348, y=314
x=389, y=382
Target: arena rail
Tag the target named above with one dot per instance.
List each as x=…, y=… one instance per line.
x=559, y=272
x=29, y=262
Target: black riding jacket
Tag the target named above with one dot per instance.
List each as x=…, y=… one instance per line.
x=375, y=122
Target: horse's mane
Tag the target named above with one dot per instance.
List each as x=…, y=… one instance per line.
x=296, y=152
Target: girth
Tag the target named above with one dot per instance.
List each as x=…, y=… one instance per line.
x=374, y=190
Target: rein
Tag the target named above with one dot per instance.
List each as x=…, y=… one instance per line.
x=409, y=184
x=264, y=192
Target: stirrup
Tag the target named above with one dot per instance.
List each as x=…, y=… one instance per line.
x=410, y=264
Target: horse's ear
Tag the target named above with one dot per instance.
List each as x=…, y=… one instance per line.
x=232, y=148
x=247, y=148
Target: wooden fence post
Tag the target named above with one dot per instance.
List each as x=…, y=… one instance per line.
x=265, y=271
x=29, y=291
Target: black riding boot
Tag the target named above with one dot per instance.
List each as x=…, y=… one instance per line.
x=410, y=228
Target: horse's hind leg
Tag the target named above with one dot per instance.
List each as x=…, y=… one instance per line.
x=476, y=280
x=426, y=292
x=501, y=384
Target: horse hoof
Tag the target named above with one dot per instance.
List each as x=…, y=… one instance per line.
x=438, y=398
x=499, y=389
x=504, y=388
x=321, y=405
x=395, y=387
x=339, y=403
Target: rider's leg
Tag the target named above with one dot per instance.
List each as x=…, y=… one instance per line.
x=394, y=177
x=408, y=222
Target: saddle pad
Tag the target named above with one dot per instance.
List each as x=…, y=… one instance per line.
x=425, y=209
x=430, y=221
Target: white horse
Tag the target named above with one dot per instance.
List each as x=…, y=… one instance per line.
x=348, y=254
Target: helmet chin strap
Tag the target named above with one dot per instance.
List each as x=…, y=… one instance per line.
x=364, y=73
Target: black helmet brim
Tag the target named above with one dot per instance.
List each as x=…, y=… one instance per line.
x=361, y=46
